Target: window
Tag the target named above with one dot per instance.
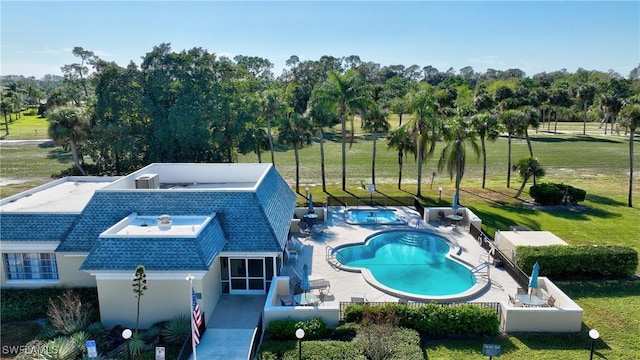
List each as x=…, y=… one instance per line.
x=31, y=266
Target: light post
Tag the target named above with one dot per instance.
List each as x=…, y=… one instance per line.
x=299, y=335
x=439, y=194
x=594, y=335
x=126, y=335
x=306, y=189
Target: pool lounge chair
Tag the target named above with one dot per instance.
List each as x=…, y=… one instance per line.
x=441, y=217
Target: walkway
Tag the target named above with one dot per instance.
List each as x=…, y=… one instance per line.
x=230, y=329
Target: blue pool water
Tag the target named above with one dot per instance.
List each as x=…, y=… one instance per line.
x=409, y=261
x=373, y=216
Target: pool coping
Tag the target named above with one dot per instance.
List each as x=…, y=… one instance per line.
x=401, y=220
x=482, y=284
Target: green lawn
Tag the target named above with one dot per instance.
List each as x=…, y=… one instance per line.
x=595, y=163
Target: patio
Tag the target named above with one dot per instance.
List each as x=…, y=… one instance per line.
x=566, y=316
x=345, y=285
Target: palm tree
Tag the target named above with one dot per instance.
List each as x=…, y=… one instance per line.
x=488, y=128
x=630, y=119
x=513, y=124
x=528, y=168
x=272, y=105
x=375, y=120
x=69, y=126
x=585, y=93
x=296, y=132
x=400, y=139
x=322, y=114
x=348, y=92
x=399, y=106
x=529, y=117
x=458, y=132
x=424, y=129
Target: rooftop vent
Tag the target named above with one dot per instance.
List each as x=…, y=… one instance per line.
x=164, y=222
x=148, y=181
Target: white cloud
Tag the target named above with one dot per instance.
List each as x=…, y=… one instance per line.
x=45, y=50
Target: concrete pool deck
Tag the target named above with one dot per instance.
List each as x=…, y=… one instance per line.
x=345, y=285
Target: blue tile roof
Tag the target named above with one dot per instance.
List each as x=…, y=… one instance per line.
x=35, y=227
x=158, y=254
x=249, y=221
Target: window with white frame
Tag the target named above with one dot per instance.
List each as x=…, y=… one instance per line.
x=31, y=266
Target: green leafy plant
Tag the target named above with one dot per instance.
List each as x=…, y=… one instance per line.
x=314, y=328
x=177, y=330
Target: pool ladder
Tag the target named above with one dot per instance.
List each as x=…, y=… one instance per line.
x=482, y=275
x=331, y=258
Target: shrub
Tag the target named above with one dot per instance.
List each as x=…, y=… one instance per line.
x=285, y=329
x=565, y=261
x=314, y=328
x=546, y=194
x=345, y=332
x=552, y=194
x=177, y=330
x=434, y=320
x=31, y=304
x=335, y=350
x=69, y=314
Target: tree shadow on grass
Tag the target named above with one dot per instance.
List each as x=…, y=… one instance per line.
x=581, y=138
x=605, y=200
x=560, y=341
x=60, y=155
x=601, y=288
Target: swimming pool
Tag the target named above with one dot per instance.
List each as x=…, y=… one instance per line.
x=373, y=216
x=410, y=263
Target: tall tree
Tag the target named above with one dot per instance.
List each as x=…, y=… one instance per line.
x=69, y=126
x=528, y=168
x=630, y=119
x=322, y=115
x=586, y=94
x=424, y=127
x=513, y=123
x=400, y=139
x=488, y=128
x=458, y=133
x=375, y=120
x=296, y=132
x=272, y=107
x=349, y=93
x=85, y=56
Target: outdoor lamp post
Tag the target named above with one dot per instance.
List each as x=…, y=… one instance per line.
x=126, y=335
x=299, y=335
x=439, y=194
x=594, y=335
x=306, y=189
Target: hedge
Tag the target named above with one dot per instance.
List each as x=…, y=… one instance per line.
x=552, y=194
x=434, y=320
x=566, y=261
x=31, y=304
x=285, y=329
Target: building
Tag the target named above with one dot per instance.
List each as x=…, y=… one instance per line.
x=224, y=224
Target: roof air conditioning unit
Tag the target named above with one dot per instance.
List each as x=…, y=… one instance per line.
x=148, y=181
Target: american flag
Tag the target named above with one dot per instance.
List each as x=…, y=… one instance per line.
x=197, y=318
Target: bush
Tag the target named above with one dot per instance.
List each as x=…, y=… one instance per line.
x=335, y=350
x=31, y=304
x=434, y=320
x=566, y=261
x=552, y=194
x=546, y=194
x=285, y=329
x=345, y=332
x=69, y=314
x=177, y=330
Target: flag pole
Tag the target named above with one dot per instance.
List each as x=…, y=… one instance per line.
x=193, y=340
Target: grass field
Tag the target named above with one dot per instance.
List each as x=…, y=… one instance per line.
x=596, y=163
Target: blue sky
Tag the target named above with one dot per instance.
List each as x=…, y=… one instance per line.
x=37, y=37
